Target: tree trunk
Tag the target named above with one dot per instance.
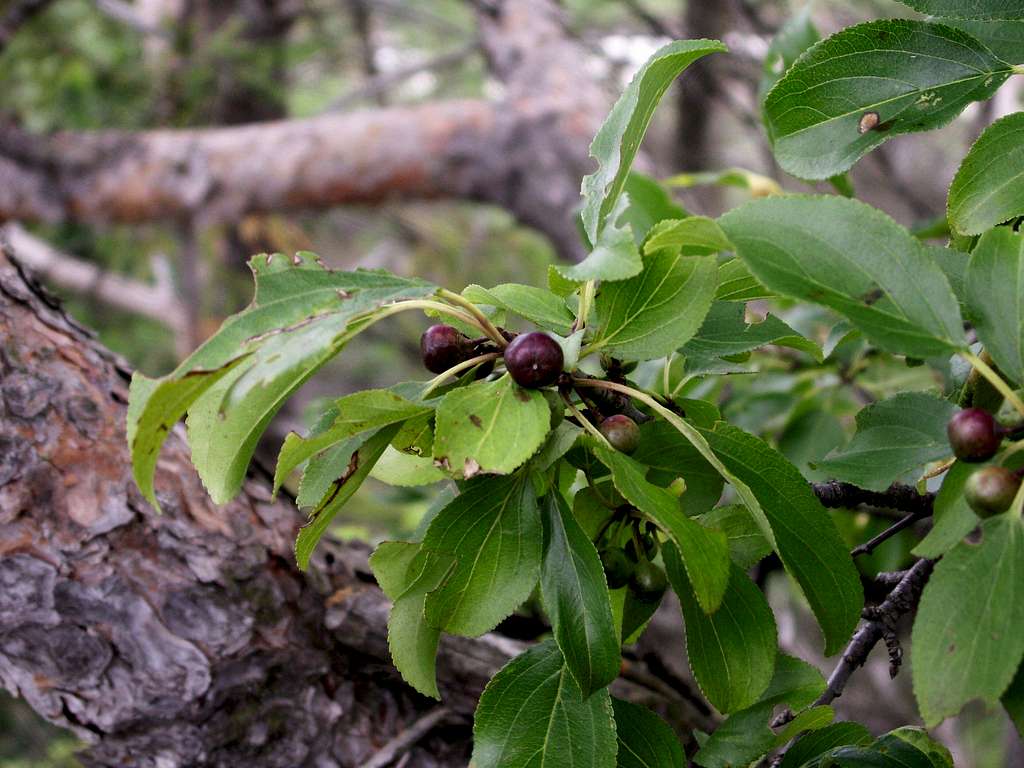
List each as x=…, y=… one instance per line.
x=190, y=638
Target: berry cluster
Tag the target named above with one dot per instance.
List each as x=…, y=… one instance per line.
x=632, y=565
x=533, y=360
x=975, y=436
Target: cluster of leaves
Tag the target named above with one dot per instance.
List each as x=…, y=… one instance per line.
x=543, y=501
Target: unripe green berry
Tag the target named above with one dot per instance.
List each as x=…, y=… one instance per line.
x=991, y=490
x=617, y=567
x=622, y=432
x=648, y=581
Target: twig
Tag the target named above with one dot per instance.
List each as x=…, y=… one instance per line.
x=905, y=522
x=394, y=749
x=385, y=81
x=880, y=621
x=834, y=494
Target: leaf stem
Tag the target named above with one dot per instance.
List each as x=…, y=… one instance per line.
x=584, y=422
x=994, y=379
x=481, y=319
x=583, y=310
x=437, y=306
x=455, y=370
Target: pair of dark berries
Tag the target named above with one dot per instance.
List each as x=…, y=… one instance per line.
x=533, y=360
x=975, y=436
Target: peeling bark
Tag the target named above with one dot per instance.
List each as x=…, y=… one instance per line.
x=190, y=638
x=526, y=152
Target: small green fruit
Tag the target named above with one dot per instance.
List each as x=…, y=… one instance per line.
x=622, y=432
x=617, y=567
x=648, y=582
x=990, y=491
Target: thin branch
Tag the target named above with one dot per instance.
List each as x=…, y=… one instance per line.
x=381, y=83
x=901, y=601
x=880, y=621
x=835, y=494
x=401, y=743
x=157, y=302
x=905, y=522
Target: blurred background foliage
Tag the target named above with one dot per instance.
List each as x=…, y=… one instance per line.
x=95, y=64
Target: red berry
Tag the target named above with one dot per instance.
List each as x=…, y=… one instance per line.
x=991, y=490
x=974, y=435
x=622, y=432
x=442, y=346
x=534, y=360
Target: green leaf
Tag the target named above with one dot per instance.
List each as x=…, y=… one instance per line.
x=650, y=315
x=405, y=470
x=892, y=750
x=537, y=305
x=645, y=740
x=692, y=236
x=966, y=642
x=811, y=719
x=795, y=36
x=649, y=203
x=575, y=595
x=361, y=460
x=745, y=735
x=969, y=9
x=732, y=651
x=864, y=84
x=705, y=552
x=299, y=307
x=533, y=715
x=952, y=518
x=919, y=739
x=747, y=545
x=853, y=258
x=493, y=529
x=735, y=283
x=615, y=255
x=1013, y=700
x=725, y=332
x=406, y=574
x=360, y=412
x=894, y=436
x=808, y=542
x=994, y=295
x=670, y=455
x=817, y=743
x=757, y=184
x=490, y=426
x=618, y=139
x=1004, y=38
x=988, y=188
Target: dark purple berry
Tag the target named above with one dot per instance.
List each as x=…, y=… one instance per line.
x=622, y=432
x=991, y=490
x=617, y=567
x=442, y=346
x=974, y=435
x=534, y=360
x=648, y=581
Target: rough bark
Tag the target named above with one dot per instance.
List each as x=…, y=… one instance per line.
x=525, y=152
x=189, y=638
